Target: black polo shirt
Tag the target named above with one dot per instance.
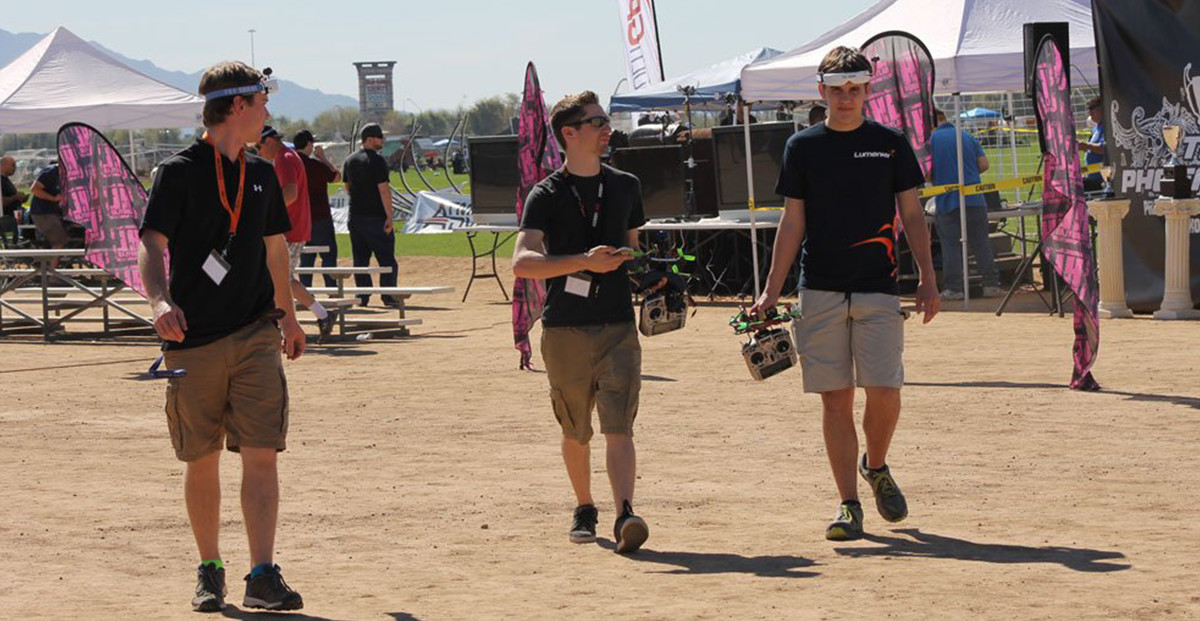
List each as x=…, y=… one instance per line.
x=185, y=206
x=553, y=209
x=848, y=182
x=363, y=172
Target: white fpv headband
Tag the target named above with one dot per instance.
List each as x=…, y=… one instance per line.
x=267, y=85
x=842, y=79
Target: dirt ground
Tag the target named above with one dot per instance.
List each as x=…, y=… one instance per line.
x=423, y=480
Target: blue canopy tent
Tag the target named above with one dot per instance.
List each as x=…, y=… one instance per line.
x=979, y=113
x=710, y=82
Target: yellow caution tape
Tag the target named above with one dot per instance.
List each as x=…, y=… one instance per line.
x=995, y=186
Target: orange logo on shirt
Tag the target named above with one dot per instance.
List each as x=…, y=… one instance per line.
x=888, y=241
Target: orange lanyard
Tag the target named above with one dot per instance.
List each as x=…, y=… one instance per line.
x=234, y=212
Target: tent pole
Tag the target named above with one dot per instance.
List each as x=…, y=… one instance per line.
x=1012, y=143
x=750, y=199
x=962, y=199
x=132, y=154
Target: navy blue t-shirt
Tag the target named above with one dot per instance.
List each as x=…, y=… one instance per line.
x=848, y=182
x=48, y=177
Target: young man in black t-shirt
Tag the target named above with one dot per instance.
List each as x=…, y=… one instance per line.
x=575, y=224
x=841, y=182
x=220, y=213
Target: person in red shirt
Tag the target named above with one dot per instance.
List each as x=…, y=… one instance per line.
x=294, y=182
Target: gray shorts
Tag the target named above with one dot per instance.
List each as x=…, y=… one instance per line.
x=295, y=251
x=848, y=339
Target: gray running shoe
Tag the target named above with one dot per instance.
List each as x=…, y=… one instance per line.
x=847, y=525
x=889, y=500
x=210, y=589
x=268, y=591
x=583, y=529
x=630, y=531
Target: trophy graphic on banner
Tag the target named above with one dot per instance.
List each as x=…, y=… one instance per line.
x=1175, y=181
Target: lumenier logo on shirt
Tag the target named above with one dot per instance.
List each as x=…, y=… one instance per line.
x=883, y=154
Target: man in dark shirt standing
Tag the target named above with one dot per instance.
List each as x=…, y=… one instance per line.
x=220, y=213
x=575, y=222
x=320, y=174
x=371, y=225
x=46, y=209
x=841, y=181
x=11, y=196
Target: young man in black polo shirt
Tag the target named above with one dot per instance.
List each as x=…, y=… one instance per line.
x=841, y=181
x=371, y=220
x=575, y=223
x=220, y=213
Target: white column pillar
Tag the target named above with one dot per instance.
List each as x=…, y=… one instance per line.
x=1109, y=214
x=1177, y=294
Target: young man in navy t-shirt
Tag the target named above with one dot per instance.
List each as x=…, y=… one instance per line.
x=841, y=181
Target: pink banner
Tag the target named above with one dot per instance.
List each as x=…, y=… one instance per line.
x=538, y=156
x=1066, y=240
x=105, y=197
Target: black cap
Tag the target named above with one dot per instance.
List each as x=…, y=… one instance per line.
x=303, y=138
x=269, y=132
x=371, y=130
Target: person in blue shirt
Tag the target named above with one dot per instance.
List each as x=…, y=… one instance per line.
x=945, y=170
x=1094, y=147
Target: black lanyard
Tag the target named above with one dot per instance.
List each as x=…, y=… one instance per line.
x=595, y=221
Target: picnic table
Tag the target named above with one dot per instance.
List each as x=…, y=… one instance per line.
x=39, y=271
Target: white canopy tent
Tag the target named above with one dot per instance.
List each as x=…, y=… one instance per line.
x=977, y=46
x=64, y=78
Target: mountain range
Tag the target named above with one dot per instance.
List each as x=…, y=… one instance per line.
x=299, y=102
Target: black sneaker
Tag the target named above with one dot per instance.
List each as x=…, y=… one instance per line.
x=583, y=529
x=630, y=531
x=270, y=592
x=391, y=302
x=848, y=523
x=889, y=500
x=210, y=589
x=325, y=326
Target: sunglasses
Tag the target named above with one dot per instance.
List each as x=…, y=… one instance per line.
x=597, y=121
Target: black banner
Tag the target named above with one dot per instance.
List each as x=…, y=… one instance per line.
x=1149, y=53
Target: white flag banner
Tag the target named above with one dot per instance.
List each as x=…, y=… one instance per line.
x=639, y=38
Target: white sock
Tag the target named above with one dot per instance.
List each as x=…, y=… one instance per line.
x=318, y=310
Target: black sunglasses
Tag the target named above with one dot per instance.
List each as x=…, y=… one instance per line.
x=597, y=121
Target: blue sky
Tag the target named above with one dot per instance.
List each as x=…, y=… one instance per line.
x=448, y=52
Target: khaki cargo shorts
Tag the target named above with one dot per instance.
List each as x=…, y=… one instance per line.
x=235, y=390
x=593, y=366
x=848, y=339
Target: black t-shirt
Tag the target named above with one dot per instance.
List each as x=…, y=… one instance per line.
x=363, y=172
x=553, y=209
x=848, y=182
x=48, y=177
x=186, y=207
x=7, y=189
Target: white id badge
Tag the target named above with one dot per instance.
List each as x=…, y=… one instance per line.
x=216, y=267
x=579, y=284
